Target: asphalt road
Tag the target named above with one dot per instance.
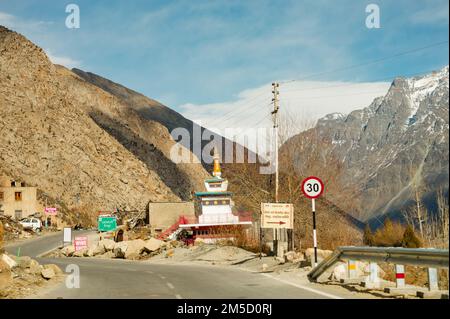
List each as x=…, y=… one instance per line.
x=115, y=278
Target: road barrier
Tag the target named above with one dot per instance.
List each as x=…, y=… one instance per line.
x=424, y=257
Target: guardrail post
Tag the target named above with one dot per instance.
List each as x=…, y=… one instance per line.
x=432, y=279
x=373, y=281
x=400, y=276
x=351, y=269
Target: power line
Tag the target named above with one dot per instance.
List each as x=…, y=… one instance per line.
x=369, y=62
x=357, y=83
x=252, y=125
x=330, y=96
x=226, y=116
x=241, y=113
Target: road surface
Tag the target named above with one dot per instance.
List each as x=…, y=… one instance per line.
x=116, y=278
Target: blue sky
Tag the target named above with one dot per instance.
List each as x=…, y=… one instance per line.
x=203, y=52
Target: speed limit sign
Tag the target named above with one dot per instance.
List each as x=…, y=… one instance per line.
x=312, y=187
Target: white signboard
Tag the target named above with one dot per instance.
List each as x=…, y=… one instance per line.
x=277, y=215
x=67, y=234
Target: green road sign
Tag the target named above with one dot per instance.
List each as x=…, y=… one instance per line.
x=107, y=223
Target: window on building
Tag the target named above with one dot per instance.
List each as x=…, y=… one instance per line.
x=18, y=196
x=2, y=196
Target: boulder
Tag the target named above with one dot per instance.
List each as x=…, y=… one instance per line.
x=68, y=250
x=293, y=257
x=6, y=276
x=100, y=249
x=35, y=268
x=48, y=273
x=119, y=249
x=108, y=254
x=289, y=256
x=90, y=251
x=9, y=261
x=53, y=267
x=321, y=254
x=134, y=248
x=80, y=253
x=339, y=272
x=152, y=245
x=107, y=244
x=24, y=262
x=132, y=256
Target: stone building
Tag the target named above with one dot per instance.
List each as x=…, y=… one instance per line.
x=17, y=199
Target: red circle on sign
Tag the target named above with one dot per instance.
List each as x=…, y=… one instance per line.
x=312, y=178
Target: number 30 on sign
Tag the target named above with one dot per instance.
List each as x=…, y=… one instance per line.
x=312, y=187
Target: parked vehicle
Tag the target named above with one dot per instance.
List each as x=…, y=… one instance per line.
x=31, y=223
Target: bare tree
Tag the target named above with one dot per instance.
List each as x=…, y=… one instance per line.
x=251, y=188
x=436, y=229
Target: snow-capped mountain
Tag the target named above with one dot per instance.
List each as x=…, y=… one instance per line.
x=400, y=138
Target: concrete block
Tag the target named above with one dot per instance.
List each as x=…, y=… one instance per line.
x=434, y=294
x=401, y=291
x=351, y=281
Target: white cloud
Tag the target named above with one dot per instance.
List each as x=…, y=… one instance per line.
x=304, y=101
x=63, y=60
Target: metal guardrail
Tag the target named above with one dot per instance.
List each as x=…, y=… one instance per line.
x=425, y=257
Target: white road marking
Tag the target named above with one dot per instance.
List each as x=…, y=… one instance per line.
x=170, y=285
x=178, y=297
x=305, y=288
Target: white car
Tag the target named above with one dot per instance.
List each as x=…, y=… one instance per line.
x=31, y=223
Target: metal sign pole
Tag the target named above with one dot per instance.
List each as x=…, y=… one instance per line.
x=312, y=187
x=313, y=203
x=260, y=240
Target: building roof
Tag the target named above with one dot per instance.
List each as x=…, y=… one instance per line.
x=212, y=180
x=214, y=224
x=213, y=193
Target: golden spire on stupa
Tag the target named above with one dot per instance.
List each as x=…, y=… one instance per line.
x=216, y=170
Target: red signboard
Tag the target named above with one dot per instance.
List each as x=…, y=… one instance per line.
x=80, y=242
x=50, y=211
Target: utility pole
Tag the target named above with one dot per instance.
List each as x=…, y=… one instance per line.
x=275, y=101
x=276, y=107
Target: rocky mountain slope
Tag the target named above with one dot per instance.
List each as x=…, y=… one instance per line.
x=384, y=150
x=77, y=142
x=149, y=109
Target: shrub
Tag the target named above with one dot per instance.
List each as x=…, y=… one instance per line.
x=368, y=236
x=410, y=239
x=389, y=235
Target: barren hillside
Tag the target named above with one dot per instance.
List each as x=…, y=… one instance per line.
x=78, y=143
